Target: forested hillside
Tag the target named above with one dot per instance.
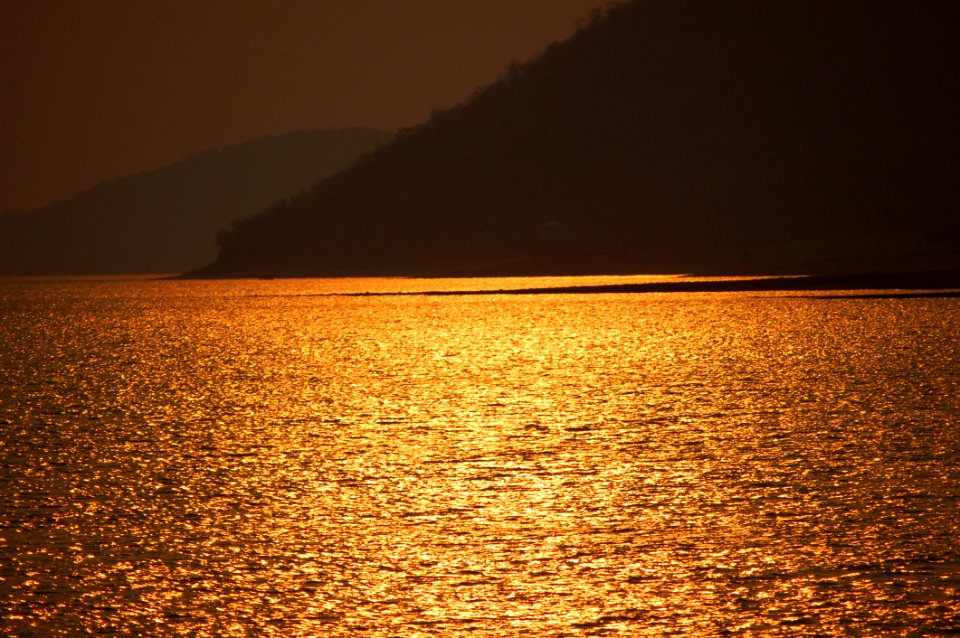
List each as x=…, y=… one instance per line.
x=731, y=136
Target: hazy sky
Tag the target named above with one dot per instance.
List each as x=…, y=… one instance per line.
x=93, y=89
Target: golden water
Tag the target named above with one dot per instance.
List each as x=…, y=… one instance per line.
x=257, y=458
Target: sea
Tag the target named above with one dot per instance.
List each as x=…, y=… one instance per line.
x=317, y=457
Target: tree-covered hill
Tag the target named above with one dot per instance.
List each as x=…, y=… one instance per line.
x=720, y=136
x=166, y=220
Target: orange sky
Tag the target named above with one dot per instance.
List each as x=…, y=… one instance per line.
x=104, y=88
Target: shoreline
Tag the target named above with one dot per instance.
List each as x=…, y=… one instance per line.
x=939, y=283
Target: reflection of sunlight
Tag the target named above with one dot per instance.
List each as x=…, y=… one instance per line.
x=506, y=465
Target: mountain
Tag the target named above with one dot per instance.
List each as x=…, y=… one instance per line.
x=712, y=136
x=166, y=220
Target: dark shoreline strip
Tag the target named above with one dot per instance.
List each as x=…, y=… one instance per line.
x=889, y=295
x=941, y=280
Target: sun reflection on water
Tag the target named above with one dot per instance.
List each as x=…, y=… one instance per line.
x=183, y=458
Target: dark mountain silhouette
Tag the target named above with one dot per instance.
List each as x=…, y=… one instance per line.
x=165, y=221
x=737, y=136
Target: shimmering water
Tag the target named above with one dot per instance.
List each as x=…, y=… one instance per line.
x=255, y=458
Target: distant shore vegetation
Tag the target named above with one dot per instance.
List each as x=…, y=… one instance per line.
x=717, y=137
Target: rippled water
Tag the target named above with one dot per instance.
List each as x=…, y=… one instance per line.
x=256, y=458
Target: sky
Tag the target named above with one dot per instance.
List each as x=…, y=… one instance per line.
x=96, y=89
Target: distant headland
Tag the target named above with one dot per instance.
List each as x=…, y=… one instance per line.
x=719, y=137
x=166, y=220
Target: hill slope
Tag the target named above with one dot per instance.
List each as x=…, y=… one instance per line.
x=668, y=135
x=166, y=220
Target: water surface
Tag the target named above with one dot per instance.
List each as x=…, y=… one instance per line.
x=260, y=458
